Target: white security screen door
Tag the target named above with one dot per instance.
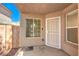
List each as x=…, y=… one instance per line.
x=53, y=32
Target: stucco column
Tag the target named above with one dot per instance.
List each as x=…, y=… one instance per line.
x=78, y=29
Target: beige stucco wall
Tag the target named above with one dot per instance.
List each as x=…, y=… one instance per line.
x=15, y=36
x=67, y=47
x=24, y=41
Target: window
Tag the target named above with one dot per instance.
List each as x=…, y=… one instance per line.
x=72, y=28
x=32, y=27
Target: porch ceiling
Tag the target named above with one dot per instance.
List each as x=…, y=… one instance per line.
x=41, y=8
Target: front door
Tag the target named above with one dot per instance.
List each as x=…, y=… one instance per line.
x=53, y=32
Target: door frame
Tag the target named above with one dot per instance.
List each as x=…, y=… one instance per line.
x=59, y=30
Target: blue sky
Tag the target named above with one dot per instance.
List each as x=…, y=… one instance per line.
x=15, y=16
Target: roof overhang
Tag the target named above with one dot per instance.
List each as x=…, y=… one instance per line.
x=4, y=19
x=4, y=10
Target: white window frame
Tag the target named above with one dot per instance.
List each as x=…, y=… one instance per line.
x=70, y=13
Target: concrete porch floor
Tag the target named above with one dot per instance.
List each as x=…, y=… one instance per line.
x=44, y=51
